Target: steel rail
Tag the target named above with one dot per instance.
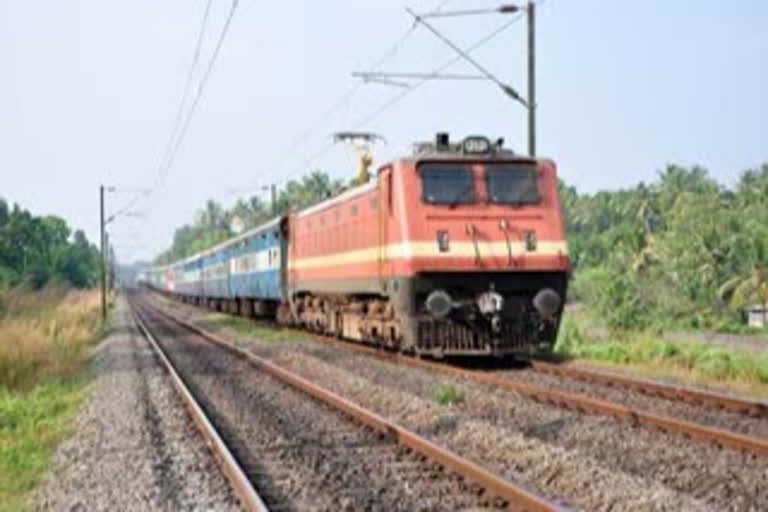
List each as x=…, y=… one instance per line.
x=575, y=401
x=514, y=494
x=240, y=483
x=757, y=408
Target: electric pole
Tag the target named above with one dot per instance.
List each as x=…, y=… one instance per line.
x=531, y=15
x=273, y=199
x=529, y=103
x=103, y=258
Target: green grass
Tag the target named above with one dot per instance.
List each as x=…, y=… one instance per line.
x=44, y=341
x=647, y=348
x=32, y=424
x=447, y=394
x=257, y=330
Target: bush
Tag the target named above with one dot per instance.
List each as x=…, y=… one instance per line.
x=447, y=394
x=646, y=348
x=43, y=341
x=44, y=334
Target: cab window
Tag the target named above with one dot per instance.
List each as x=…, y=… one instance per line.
x=446, y=183
x=512, y=183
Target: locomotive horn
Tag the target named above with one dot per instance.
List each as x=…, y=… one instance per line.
x=547, y=302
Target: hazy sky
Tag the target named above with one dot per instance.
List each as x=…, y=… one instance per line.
x=89, y=90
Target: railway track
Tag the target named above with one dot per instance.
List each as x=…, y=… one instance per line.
x=755, y=408
x=234, y=473
x=582, y=402
x=374, y=462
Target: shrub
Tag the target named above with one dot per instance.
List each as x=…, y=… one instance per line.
x=447, y=394
x=44, y=334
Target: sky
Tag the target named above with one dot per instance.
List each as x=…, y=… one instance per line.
x=90, y=89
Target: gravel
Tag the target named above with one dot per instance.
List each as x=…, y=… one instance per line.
x=594, y=462
x=300, y=453
x=134, y=447
x=722, y=479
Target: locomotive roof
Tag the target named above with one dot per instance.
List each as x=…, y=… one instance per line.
x=347, y=194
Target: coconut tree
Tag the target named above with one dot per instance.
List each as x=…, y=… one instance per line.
x=747, y=290
x=742, y=290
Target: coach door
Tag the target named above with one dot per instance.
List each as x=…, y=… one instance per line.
x=287, y=224
x=384, y=220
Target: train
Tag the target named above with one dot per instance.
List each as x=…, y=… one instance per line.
x=457, y=249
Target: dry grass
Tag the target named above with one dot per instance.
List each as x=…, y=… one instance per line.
x=44, y=334
x=43, y=340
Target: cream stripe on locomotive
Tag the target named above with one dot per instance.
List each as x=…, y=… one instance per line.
x=460, y=249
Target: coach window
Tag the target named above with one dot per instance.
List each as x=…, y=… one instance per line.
x=353, y=210
x=338, y=215
x=446, y=183
x=374, y=202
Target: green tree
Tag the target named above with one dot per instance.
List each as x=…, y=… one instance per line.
x=35, y=250
x=213, y=223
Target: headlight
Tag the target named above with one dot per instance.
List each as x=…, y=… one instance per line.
x=439, y=303
x=547, y=302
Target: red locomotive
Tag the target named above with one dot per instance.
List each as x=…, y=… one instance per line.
x=458, y=249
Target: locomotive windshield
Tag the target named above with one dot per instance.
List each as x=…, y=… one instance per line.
x=447, y=183
x=512, y=183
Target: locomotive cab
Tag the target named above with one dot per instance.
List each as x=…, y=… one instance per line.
x=476, y=254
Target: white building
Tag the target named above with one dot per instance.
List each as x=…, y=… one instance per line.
x=757, y=315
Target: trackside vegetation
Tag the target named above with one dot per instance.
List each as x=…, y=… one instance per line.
x=44, y=337
x=36, y=250
x=649, y=350
x=254, y=329
x=448, y=394
x=681, y=251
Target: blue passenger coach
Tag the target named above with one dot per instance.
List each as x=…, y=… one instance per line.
x=215, y=273
x=189, y=276
x=245, y=272
x=255, y=269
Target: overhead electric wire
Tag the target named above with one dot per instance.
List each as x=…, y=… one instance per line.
x=335, y=107
x=395, y=99
x=187, y=86
x=405, y=92
x=180, y=128
x=464, y=55
x=200, y=89
x=180, y=111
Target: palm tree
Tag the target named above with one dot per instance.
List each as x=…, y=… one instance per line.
x=743, y=291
